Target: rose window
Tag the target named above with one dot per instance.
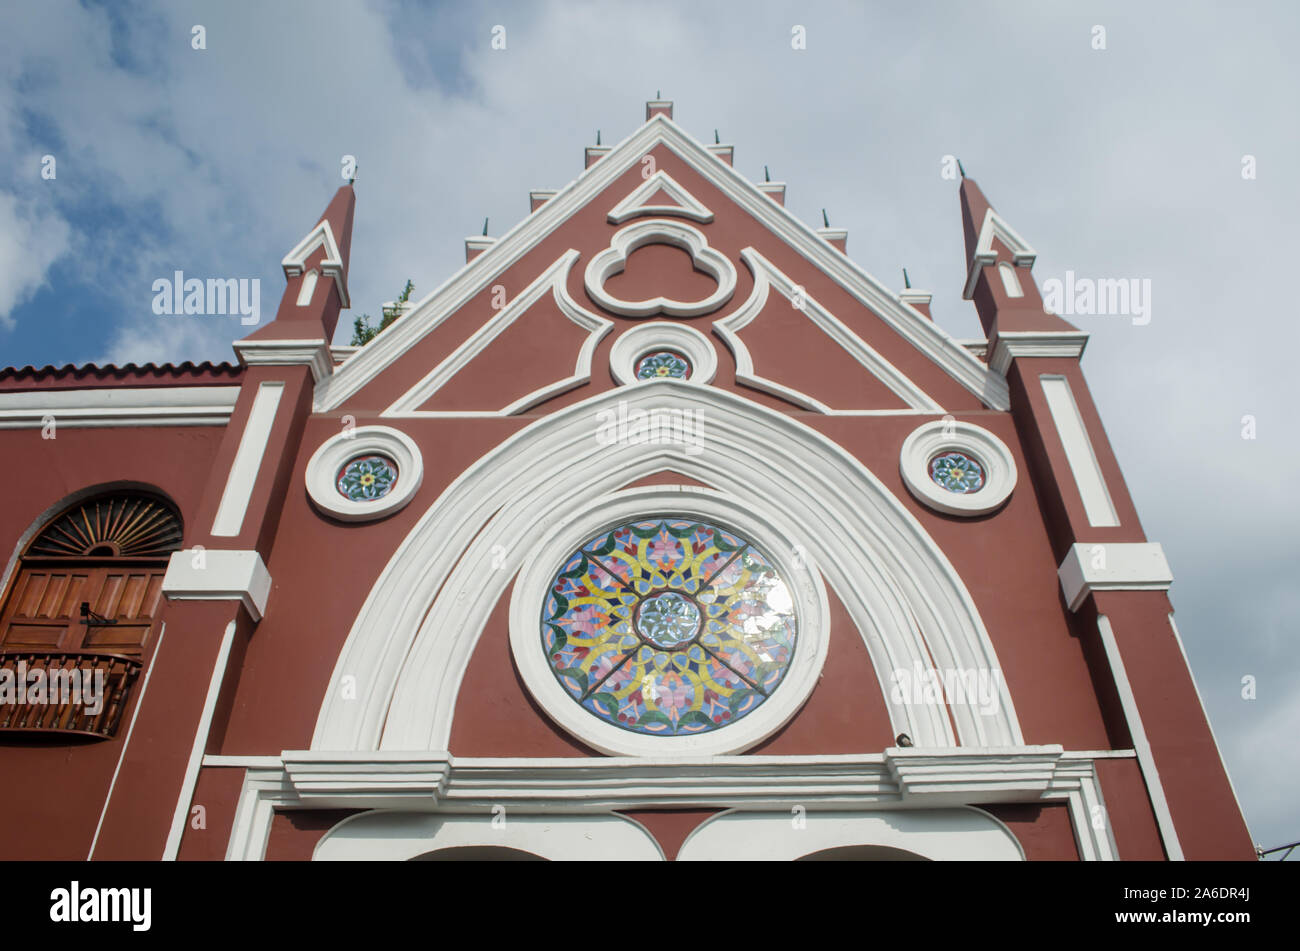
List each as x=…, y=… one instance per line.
x=669, y=626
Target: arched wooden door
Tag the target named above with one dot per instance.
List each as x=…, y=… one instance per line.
x=85, y=598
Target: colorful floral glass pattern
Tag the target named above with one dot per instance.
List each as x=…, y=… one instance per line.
x=669, y=626
x=367, y=477
x=957, y=472
x=663, y=363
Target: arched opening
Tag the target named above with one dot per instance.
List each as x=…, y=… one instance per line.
x=478, y=853
x=862, y=853
x=81, y=611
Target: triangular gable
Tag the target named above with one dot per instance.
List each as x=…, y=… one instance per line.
x=648, y=199
x=994, y=226
x=332, y=266
x=478, y=274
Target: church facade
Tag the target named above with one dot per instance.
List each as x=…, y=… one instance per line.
x=660, y=530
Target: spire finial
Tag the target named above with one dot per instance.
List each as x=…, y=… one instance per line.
x=960, y=169
x=485, y=223
x=826, y=222
x=598, y=137
x=767, y=176
x=716, y=140
x=907, y=281
x=657, y=95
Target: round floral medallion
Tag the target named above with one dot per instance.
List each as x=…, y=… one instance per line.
x=367, y=477
x=661, y=364
x=957, y=472
x=669, y=626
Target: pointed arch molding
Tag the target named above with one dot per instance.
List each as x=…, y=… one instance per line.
x=413, y=638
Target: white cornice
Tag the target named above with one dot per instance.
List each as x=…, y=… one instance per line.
x=119, y=406
x=279, y=353
x=478, y=274
x=331, y=266
x=1022, y=255
x=1035, y=343
x=1112, y=566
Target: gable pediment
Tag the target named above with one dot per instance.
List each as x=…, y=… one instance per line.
x=579, y=220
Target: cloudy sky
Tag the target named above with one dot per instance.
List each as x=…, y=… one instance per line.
x=1123, y=162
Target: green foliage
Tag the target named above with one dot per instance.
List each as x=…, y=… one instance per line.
x=362, y=330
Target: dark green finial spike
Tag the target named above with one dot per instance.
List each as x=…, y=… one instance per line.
x=767, y=176
x=485, y=221
x=826, y=222
x=658, y=96
x=907, y=281
x=960, y=169
x=716, y=140
x=598, y=137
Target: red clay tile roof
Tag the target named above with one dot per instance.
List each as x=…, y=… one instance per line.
x=130, y=374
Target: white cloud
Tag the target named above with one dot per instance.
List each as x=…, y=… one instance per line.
x=31, y=239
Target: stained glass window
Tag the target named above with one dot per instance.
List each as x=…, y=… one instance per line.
x=669, y=626
x=957, y=472
x=367, y=477
x=663, y=363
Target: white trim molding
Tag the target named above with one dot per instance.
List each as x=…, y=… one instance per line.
x=994, y=226
x=1079, y=453
x=553, y=789
x=212, y=574
x=553, y=280
x=413, y=637
x=946, y=435
x=248, y=460
x=119, y=406
x=1112, y=566
x=181, y=814
x=403, y=836
x=768, y=276
x=633, y=344
x=332, y=266
x=765, y=529
x=323, y=469
x=1035, y=343
x=478, y=275
x=1141, y=745
x=634, y=205
x=281, y=353
x=613, y=260
x=955, y=835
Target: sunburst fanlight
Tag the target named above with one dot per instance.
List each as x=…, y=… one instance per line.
x=136, y=526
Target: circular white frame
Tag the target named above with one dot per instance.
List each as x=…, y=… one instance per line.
x=768, y=534
x=942, y=435
x=662, y=335
x=323, y=467
x=613, y=259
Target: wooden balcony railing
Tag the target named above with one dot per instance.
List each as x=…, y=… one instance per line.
x=85, y=692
